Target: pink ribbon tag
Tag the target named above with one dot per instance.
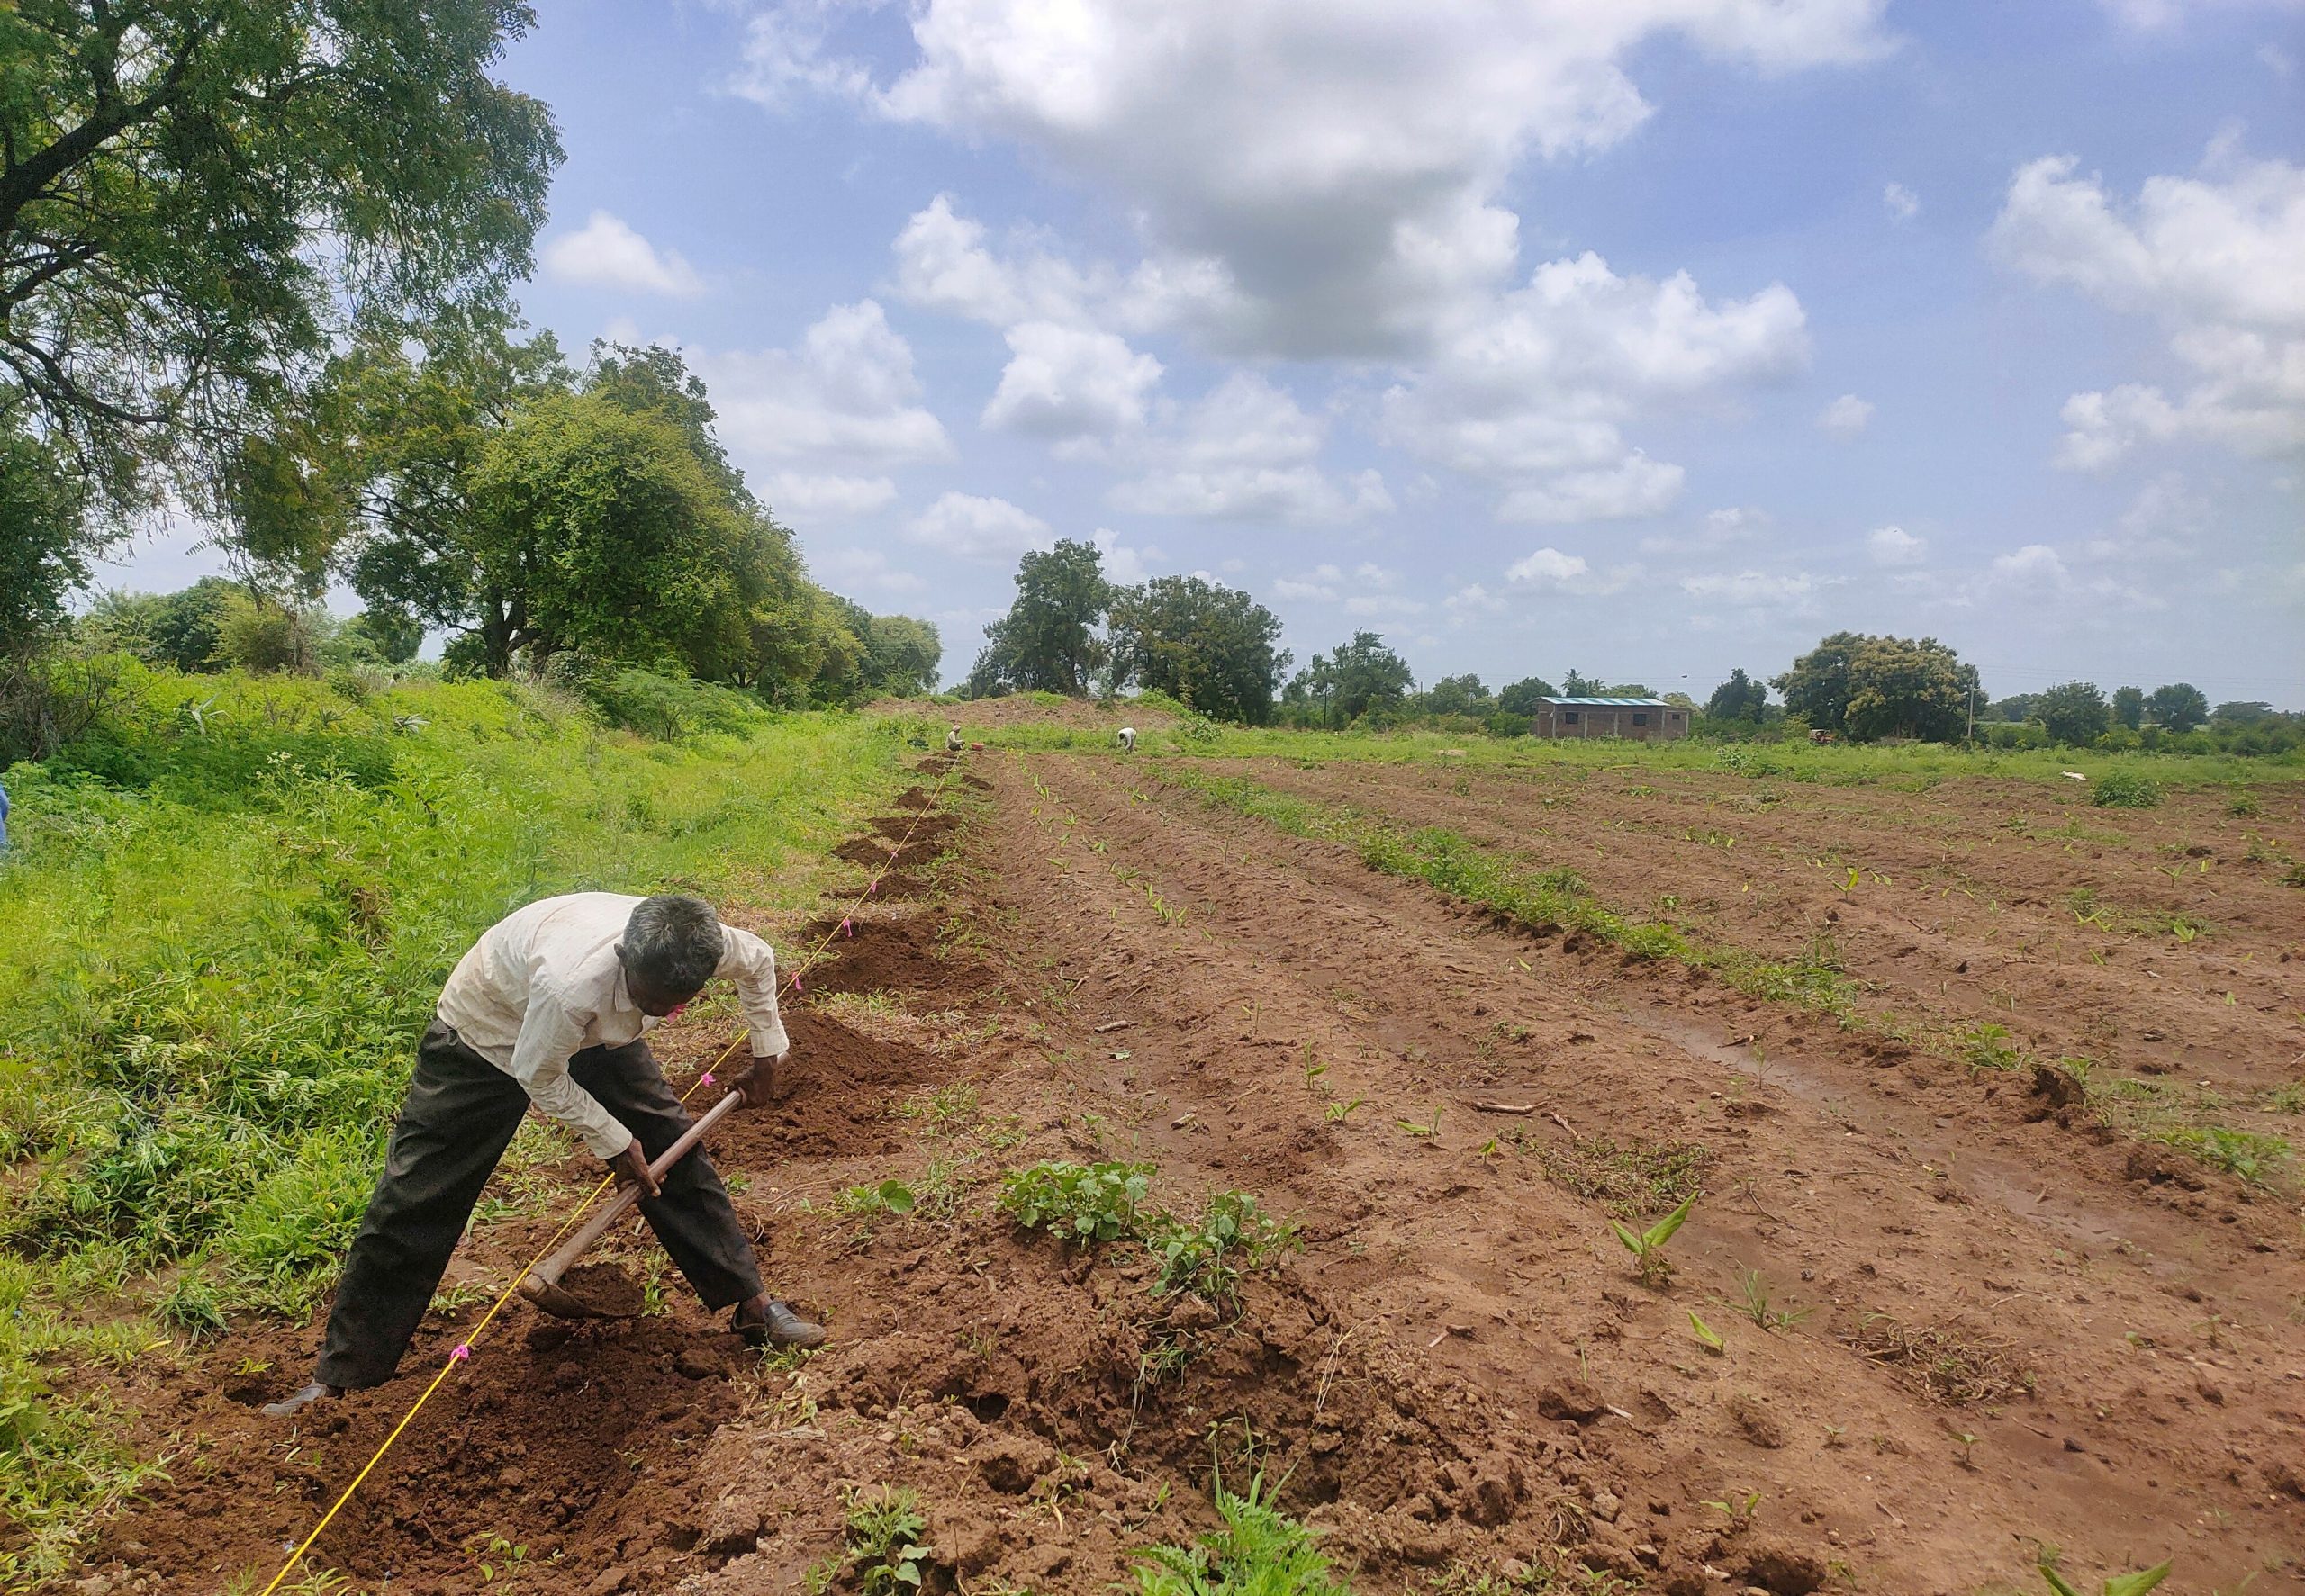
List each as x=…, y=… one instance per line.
x=847, y=927
x=705, y=1079
x=872, y=886
x=461, y=1354
x=797, y=987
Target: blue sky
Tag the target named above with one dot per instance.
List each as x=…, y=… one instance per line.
x=1653, y=337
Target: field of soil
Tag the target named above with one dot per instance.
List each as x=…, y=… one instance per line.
x=1995, y=1325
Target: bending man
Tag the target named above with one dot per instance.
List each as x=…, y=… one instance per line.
x=550, y=1007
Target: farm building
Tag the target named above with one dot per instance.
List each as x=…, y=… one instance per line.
x=1639, y=719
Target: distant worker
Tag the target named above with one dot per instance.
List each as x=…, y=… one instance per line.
x=552, y=1006
x=3, y=819
x=1128, y=739
x=953, y=739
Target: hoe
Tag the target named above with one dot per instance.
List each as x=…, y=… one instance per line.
x=541, y=1285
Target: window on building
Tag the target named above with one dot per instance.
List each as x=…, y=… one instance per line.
x=1641, y=717
x=1568, y=718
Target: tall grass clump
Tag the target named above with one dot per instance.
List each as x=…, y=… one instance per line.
x=225, y=918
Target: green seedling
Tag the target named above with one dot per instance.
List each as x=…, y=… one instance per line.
x=1338, y=1113
x=1738, y=1512
x=1648, y=1247
x=1756, y=1304
x=1430, y=1131
x=1082, y=1204
x=1968, y=1443
x=1706, y=1336
x=885, y=1551
x=872, y=1202
x=2120, y=1585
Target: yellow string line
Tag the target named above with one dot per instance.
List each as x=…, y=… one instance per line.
x=463, y=1352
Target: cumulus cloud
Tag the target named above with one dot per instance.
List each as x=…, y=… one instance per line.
x=2219, y=259
x=1069, y=383
x=1533, y=392
x=606, y=253
x=1123, y=564
x=1247, y=451
x=870, y=568
x=1901, y=201
x=1303, y=212
x=2148, y=16
x=798, y=497
x=1894, y=546
x=1718, y=529
x=845, y=396
x=1550, y=570
x=979, y=528
x=1319, y=585
x=1846, y=416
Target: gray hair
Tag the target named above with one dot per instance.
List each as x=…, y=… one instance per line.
x=671, y=945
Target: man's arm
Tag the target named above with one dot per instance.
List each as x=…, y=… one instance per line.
x=550, y=1034
x=750, y=964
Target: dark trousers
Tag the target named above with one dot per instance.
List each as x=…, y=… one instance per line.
x=459, y=1117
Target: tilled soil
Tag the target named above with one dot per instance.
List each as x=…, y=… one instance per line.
x=1998, y=1332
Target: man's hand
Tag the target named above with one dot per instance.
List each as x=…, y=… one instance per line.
x=756, y=1080
x=630, y=1167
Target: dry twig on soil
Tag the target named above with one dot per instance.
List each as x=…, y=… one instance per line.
x=1945, y=1365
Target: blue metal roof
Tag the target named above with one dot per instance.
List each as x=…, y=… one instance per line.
x=1614, y=703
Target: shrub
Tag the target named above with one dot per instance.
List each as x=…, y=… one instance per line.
x=1083, y=1204
x=2124, y=789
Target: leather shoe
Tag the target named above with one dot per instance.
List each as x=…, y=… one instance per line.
x=295, y=1401
x=766, y=1323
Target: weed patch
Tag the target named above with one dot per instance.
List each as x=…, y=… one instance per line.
x=1633, y=1179
x=1952, y=1367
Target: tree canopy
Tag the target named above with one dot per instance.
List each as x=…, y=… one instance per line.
x=1740, y=698
x=2073, y=712
x=2180, y=706
x=1351, y=679
x=1881, y=687
x=1521, y=698
x=1206, y=646
x=165, y=171
x=1048, y=641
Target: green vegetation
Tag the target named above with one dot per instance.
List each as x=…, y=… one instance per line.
x=1092, y=1204
x=1648, y=1247
x=229, y=908
x=885, y=1555
x=1633, y=1178
x=2122, y=1584
x=2124, y=789
x=1257, y=1550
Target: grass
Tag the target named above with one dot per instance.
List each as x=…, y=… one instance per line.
x=1948, y=1365
x=224, y=933
x=1633, y=1179
x=1256, y=1550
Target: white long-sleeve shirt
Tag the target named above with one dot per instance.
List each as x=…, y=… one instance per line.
x=545, y=982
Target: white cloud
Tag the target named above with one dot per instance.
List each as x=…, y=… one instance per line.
x=979, y=528
x=1753, y=589
x=1319, y=584
x=1248, y=451
x=852, y=567
x=1549, y=568
x=1473, y=598
x=1634, y=487
x=2219, y=259
x=1069, y=383
x=1338, y=210
x=1123, y=564
x=1718, y=529
x=2277, y=61
x=1532, y=391
x=2035, y=566
x=1901, y=201
x=606, y=253
x=845, y=396
x=798, y=497
x=1894, y=546
x=1846, y=416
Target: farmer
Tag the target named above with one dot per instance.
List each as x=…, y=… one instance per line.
x=4, y=820
x=551, y=1007
x=1128, y=739
x=953, y=739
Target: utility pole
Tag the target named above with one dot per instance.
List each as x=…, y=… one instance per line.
x=1973, y=717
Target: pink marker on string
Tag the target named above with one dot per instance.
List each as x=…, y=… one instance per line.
x=705, y=1079
x=461, y=1354
x=847, y=927
x=872, y=886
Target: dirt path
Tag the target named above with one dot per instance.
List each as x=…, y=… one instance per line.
x=1458, y=1370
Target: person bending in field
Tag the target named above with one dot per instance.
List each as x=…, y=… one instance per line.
x=953, y=739
x=552, y=1007
x=1128, y=739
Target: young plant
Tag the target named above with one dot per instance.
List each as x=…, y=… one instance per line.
x=1257, y=1551
x=1084, y=1203
x=2120, y=1585
x=1706, y=1336
x=1648, y=1247
x=1429, y=1131
x=1338, y=1113
x=885, y=1551
x=1756, y=1304
x=874, y=1202
x=1207, y=1256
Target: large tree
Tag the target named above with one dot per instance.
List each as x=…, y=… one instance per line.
x=195, y=198
x=2180, y=706
x=2128, y=707
x=1521, y=698
x=1203, y=644
x=2073, y=712
x=1048, y=642
x=1740, y=698
x=1351, y=679
x=1459, y=695
x=1882, y=686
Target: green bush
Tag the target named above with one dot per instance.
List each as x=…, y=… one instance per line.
x=1084, y=1203
x=2124, y=789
